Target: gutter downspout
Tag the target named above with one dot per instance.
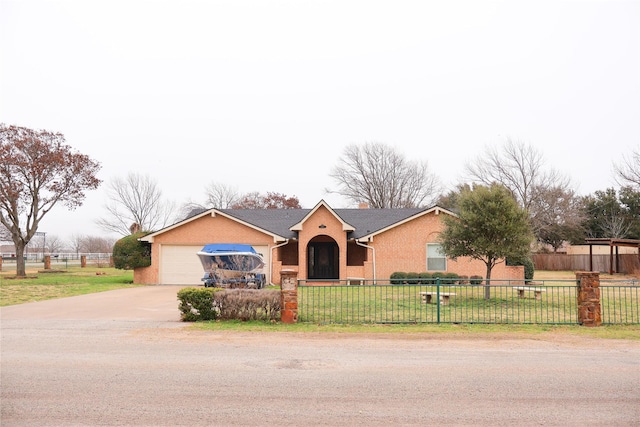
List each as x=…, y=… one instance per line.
x=373, y=250
x=271, y=260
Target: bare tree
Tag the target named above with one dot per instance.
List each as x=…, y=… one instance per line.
x=136, y=199
x=556, y=215
x=54, y=244
x=628, y=170
x=377, y=174
x=218, y=195
x=615, y=226
x=520, y=168
x=221, y=196
x=544, y=193
x=271, y=200
x=96, y=244
x=47, y=244
x=37, y=172
x=76, y=241
x=5, y=235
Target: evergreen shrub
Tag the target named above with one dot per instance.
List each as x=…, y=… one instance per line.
x=129, y=253
x=197, y=304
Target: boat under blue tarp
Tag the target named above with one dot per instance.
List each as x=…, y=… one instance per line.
x=231, y=264
x=214, y=248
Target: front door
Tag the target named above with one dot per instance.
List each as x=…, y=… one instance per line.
x=323, y=260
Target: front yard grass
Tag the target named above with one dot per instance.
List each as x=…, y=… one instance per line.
x=431, y=331
x=39, y=286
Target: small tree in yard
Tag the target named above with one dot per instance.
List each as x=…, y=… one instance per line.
x=490, y=227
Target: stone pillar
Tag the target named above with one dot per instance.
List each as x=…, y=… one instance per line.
x=0, y=263
x=288, y=296
x=47, y=262
x=589, y=311
x=83, y=261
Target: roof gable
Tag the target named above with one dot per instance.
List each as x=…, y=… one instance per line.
x=345, y=226
x=222, y=212
x=392, y=218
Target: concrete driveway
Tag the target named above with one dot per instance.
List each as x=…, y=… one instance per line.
x=124, y=358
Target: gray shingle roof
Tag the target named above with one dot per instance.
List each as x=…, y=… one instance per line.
x=279, y=221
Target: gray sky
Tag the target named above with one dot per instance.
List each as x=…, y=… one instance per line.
x=264, y=95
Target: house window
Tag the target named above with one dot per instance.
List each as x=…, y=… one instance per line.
x=436, y=259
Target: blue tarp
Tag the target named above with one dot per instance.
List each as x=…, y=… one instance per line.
x=214, y=248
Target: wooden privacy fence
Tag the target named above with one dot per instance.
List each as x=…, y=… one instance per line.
x=626, y=263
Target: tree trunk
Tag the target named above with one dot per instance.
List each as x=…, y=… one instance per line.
x=487, y=284
x=20, y=264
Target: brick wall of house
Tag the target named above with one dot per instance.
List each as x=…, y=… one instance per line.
x=208, y=229
x=199, y=232
x=404, y=248
x=311, y=229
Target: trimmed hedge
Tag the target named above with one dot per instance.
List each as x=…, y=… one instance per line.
x=424, y=278
x=198, y=304
x=248, y=304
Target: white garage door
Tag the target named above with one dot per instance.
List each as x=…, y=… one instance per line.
x=179, y=265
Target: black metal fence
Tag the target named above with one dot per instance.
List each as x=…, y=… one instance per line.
x=620, y=301
x=515, y=302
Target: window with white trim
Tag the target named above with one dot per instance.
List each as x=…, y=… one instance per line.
x=436, y=259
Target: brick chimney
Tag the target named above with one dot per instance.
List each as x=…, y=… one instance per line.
x=363, y=205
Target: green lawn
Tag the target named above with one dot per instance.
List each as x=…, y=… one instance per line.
x=38, y=286
x=432, y=331
x=77, y=281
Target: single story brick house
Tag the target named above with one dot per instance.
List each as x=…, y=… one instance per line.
x=321, y=243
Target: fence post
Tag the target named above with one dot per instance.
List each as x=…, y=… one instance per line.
x=589, y=310
x=438, y=297
x=83, y=261
x=47, y=262
x=288, y=296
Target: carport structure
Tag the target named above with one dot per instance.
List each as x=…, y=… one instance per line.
x=612, y=243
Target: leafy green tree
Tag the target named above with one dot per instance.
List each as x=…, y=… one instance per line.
x=630, y=199
x=490, y=227
x=450, y=200
x=611, y=214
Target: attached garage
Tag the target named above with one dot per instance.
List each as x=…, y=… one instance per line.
x=179, y=264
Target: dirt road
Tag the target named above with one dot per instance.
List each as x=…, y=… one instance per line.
x=124, y=358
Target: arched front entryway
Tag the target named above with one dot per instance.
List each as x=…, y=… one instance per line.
x=323, y=258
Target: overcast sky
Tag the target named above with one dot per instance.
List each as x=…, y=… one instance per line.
x=264, y=95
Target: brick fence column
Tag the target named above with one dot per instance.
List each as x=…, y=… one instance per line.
x=47, y=262
x=288, y=296
x=83, y=261
x=589, y=311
